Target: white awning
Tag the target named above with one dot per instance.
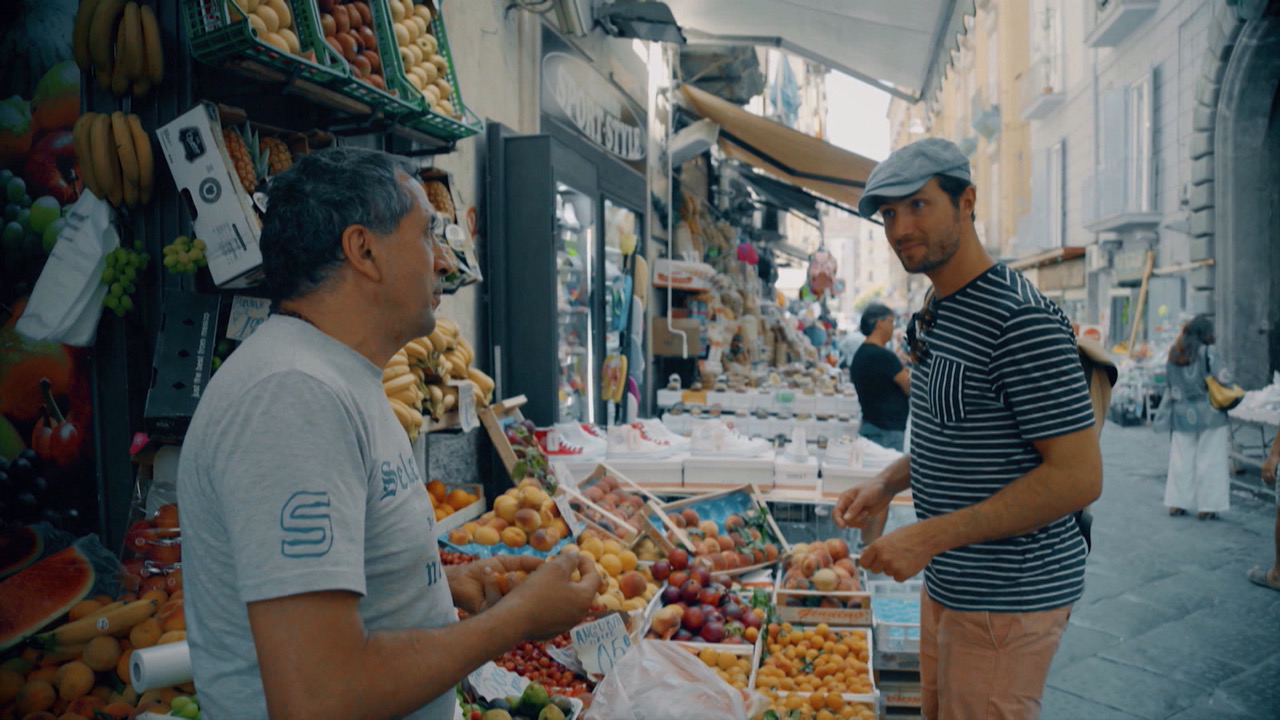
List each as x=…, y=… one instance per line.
x=906, y=43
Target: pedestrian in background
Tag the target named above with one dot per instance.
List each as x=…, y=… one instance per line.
x=883, y=383
x=1198, y=446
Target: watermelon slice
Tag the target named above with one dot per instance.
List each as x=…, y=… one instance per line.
x=42, y=593
x=19, y=547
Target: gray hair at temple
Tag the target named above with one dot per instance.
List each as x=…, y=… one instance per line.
x=312, y=203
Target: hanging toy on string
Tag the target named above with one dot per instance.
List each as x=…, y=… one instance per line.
x=822, y=272
x=747, y=254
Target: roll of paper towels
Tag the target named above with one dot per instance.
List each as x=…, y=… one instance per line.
x=160, y=666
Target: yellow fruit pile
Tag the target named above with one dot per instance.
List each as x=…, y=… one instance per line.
x=416, y=378
x=424, y=66
x=816, y=706
x=523, y=515
x=815, y=659
x=628, y=586
x=731, y=667
x=272, y=19
x=448, y=502
x=120, y=42
x=115, y=159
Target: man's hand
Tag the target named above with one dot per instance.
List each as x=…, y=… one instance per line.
x=901, y=554
x=475, y=585
x=858, y=505
x=550, y=601
x=1269, y=467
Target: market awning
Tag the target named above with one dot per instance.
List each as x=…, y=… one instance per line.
x=799, y=159
x=1047, y=257
x=906, y=43
x=780, y=194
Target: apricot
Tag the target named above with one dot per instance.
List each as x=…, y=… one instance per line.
x=487, y=536
x=117, y=710
x=75, y=679
x=10, y=683
x=709, y=528
x=35, y=696
x=612, y=564
x=84, y=706
x=629, y=560
x=543, y=539
x=146, y=633
x=528, y=519
x=122, y=666
x=505, y=507
x=838, y=548
x=437, y=490
x=101, y=653
x=499, y=524
x=48, y=673
x=690, y=516
x=514, y=537
x=459, y=498
x=532, y=497
x=593, y=547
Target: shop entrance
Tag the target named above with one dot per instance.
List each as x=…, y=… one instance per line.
x=1248, y=192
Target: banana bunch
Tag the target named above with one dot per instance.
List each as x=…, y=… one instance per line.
x=120, y=42
x=114, y=154
x=402, y=382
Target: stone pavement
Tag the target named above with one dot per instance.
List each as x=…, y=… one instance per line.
x=1169, y=627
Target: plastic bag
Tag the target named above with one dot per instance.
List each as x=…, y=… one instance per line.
x=658, y=680
x=67, y=300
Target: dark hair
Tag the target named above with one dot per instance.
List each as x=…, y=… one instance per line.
x=312, y=203
x=871, y=315
x=1196, y=334
x=954, y=188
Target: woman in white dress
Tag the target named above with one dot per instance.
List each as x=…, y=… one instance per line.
x=1198, y=449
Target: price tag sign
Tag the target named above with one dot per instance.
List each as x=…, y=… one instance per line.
x=565, y=657
x=467, y=416
x=570, y=517
x=492, y=682
x=601, y=644
x=564, y=475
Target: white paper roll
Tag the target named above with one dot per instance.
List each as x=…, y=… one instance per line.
x=160, y=666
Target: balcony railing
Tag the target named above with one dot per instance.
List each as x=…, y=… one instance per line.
x=1108, y=22
x=1041, y=88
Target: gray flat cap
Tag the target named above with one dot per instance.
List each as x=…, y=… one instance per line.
x=908, y=168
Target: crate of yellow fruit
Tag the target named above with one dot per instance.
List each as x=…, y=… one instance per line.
x=455, y=504
x=818, y=669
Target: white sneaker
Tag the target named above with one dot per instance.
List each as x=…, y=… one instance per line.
x=656, y=431
x=626, y=441
x=553, y=445
x=713, y=437
x=573, y=433
x=862, y=453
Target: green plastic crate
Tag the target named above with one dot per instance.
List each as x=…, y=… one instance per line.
x=343, y=80
x=423, y=119
x=215, y=39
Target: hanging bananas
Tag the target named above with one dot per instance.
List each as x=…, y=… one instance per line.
x=114, y=154
x=416, y=380
x=120, y=42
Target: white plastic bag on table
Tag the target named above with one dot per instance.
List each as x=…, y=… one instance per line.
x=67, y=300
x=659, y=680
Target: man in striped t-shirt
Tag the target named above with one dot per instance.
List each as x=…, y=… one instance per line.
x=1003, y=451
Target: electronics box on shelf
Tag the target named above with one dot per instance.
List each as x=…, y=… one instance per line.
x=713, y=472
x=223, y=215
x=183, y=362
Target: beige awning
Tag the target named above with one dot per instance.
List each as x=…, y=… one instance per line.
x=823, y=168
x=905, y=44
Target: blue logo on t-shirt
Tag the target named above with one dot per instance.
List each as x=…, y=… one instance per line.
x=398, y=477
x=305, y=518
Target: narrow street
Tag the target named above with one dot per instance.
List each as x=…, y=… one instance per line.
x=1169, y=626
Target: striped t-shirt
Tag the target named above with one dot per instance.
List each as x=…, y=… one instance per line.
x=1000, y=370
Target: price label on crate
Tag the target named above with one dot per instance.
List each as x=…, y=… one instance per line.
x=571, y=519
x=565, y=657
x=601, y=644
x=564, y=475
x=467, y=416
x=492, y=682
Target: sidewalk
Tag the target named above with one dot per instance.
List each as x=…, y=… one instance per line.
x=1169, y=627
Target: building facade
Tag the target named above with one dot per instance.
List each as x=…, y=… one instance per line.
x=1152, y=139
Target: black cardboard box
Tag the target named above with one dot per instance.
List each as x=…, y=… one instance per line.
x=185, y=347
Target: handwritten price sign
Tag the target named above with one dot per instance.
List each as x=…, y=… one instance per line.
x=601, y=644
x=492, y=682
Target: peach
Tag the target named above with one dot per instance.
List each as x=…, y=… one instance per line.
x=514, y=537
x=690, y=516
x=770, y=552
x=838, y=548
x=709, y=528
x=488, y=535
x=708, y=546
x=733, y=521
x=848, y=565
x=528, y=519
x=632, y=584
x=499, y=524
x=470, y=527
x=726, y=542
x=543, y=539
x=460, y=536
x=809, y=565
x=505, y=507
x=824, y=557
x=593, y=493
x=847, y=585
x=826, y=580
x=678, y=520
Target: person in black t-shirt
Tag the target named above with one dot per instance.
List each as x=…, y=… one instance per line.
x=883, y=384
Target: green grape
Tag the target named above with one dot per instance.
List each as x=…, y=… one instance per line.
x=129, y=274
x=170, y=261
x=198, y=244
x=111, y=302
x=108, y=275
x=184, y=257
x=119, y=312
x=116, y=288
x=111, y=260
x=170, y=250
x=126, y=303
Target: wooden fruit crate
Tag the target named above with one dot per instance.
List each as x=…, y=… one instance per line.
x=854, y=606
x=706, y=504
x=496, y=419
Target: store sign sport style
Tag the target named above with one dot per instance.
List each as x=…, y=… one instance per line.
x=602, y=112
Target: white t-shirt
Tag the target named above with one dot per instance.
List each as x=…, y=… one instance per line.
x=296, y=477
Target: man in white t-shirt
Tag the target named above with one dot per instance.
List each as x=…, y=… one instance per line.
x=314, y=587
